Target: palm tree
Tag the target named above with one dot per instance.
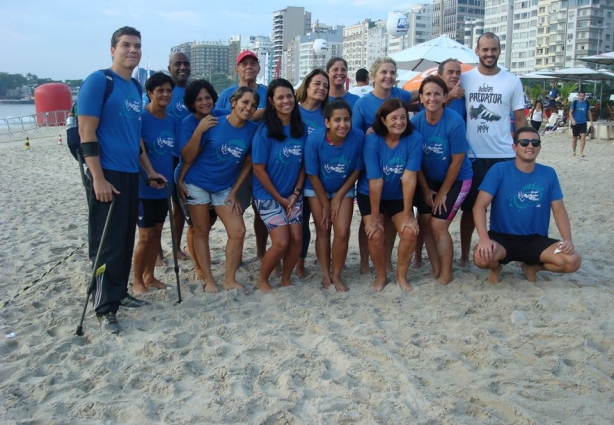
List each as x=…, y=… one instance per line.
x=565, y=91
x=535, y=92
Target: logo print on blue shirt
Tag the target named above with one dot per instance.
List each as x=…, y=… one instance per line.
x=231, y=151
x=528, y=197
x=336, y=167
x=291, y=152
x=393, y=169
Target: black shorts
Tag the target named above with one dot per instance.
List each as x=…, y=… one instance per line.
x=151, y=212
x=578, y=129
x=524, y=248
x=457, y=194
x=480, y=168
x=390, y=206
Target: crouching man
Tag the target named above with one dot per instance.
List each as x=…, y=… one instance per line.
x=522, y=193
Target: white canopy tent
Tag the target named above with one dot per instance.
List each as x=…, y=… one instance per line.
x=433, y=52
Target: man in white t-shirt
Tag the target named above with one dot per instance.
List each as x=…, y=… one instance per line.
x=362, y=83
x=491, y=95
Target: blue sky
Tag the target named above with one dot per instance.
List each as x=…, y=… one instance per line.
x=64, y=39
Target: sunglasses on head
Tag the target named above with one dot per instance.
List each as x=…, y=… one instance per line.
x=525, y=142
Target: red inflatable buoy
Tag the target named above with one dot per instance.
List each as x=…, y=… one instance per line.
x=52, y=101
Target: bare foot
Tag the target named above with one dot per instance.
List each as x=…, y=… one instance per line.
x=493, y=276
x=198, y=274
x=286, y=282
x=301, y=273
x=463, y=262
x=404, y=284
x=210, y=288
x=139, y=288
x=229, y=286
x=264, y=286
x=379, y=285
x=530, y=271
x=182, y=255
x=416, y=263
x=155, y=283
x=325, y=285
x=160, y=261
x=444, y=280
x=339, y=285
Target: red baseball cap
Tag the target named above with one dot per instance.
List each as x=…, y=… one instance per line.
x=245, y=54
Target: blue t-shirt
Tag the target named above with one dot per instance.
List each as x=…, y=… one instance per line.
x=580, y=111
x=456, y=105
x=441, y=141
x=177, y=110
x=521, y=201
x=381, y=162
x=283, y=161
x=187, y=127
x=119, y=129
x=313, y=120
x=224, y=148
x=348, y=97
x=223, y=100
x=158, y=135
x=365, y=108
x=333, y=164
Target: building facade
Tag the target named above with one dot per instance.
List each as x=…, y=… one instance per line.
x=287, y=24
x=449, y=16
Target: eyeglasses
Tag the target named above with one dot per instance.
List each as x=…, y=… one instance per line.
x=525, y=142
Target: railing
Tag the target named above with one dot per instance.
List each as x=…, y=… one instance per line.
x=19, y=127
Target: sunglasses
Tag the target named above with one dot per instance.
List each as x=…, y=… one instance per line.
x=525, y=142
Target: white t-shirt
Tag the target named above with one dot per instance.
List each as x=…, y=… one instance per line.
x=490, y=101
x=361, y=90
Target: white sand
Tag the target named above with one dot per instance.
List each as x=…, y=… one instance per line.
x=301, y=355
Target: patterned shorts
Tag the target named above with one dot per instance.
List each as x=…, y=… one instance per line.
x=274, y=215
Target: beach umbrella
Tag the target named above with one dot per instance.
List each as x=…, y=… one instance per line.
x=426, y=55
x=602, y=59
x=576, y=73
x=414, y=83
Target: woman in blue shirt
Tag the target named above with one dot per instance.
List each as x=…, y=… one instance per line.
x=158, y=137
x=392, y=160
x=200, y=98
x=333, y=162
x=219, y=164
x=278, y=180
x=312, y=97
x=445, y=178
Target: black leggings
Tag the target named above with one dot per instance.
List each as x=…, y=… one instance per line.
x=536, y=125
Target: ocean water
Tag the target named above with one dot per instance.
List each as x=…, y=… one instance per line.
x=13, y=111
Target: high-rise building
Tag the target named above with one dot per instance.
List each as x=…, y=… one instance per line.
x=570, y=29
x=303, y=55
x=355, y=47
x=287, y=24
x=515, y=23
x=449, y=17
x=234, y=48
x=208, y=58
x=262, y=46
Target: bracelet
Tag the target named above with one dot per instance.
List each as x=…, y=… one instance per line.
x=298, y=190
x=90, y=149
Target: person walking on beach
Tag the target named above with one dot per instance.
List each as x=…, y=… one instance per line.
x=180, y=69
x=362, y=86
x=110, y=135
x=537, y=115
x=277, y=156
x=522, y=193
x=491, y=95
x=579, y=114
x=392, y=155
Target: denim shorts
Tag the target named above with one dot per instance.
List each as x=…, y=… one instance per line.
x=198, y=196
x=309, y=193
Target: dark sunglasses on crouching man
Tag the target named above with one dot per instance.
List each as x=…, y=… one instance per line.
x=525, y=142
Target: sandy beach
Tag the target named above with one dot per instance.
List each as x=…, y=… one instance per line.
x=467, y=353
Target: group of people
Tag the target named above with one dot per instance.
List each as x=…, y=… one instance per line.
x=312, y=153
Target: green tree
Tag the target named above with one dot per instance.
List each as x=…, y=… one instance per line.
x=565, y=90
x=10, y=81
x=535, y=93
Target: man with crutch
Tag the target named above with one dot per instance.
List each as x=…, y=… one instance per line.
x=110, y=132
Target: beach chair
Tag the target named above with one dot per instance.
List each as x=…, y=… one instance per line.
x=610, y=107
